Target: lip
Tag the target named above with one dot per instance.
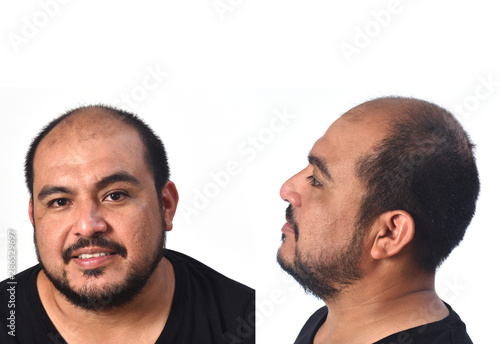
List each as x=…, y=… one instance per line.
x=91, y=250
x=95, y=262
x=287, y=228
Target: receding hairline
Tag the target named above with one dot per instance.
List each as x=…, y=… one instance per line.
x=393, y=108
x=81, y=124
x=87, y=113
x=88, y=120
x=396, y=108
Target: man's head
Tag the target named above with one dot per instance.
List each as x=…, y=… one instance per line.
x=100, y=204
x=392, y=178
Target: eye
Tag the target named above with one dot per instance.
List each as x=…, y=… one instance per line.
x=116, y=196
x=314, y=182
x=58, y=203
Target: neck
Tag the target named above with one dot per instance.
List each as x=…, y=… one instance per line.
x=149, y=310
x=377, y=307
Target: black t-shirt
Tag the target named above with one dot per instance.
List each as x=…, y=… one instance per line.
x=450, y=330
x=207, y=308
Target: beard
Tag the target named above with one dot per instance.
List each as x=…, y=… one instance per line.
x=111, y=296
x=328, y=274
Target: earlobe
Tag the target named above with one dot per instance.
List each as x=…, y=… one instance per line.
x=30, y=212
x=170, y=199
x=395, y=229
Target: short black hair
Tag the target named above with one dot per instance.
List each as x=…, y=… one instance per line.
x=425, y=166
x=154, y=152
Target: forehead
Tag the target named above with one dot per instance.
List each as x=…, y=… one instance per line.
x=350, y=137
x=88, y=137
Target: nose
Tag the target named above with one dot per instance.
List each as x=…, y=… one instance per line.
x=289, y=192
x=89, y=220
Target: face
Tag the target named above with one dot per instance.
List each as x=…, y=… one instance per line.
x=322, y=243
x=99, y=225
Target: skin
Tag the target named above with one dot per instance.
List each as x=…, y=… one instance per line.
x=77, y=156
x=392, y=294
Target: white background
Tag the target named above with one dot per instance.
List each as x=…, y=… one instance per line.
x=231, y=70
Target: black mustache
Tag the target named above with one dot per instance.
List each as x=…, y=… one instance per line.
x=290, y=218
x=289, y=215
x=94, y=242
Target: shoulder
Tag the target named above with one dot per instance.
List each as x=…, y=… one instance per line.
x=19, y=281
x=308, y=331
x=21, y=312
x=219, y=306
x=197, y=272
x=450, y=330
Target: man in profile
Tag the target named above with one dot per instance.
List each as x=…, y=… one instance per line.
x=101, y=203
x=388, y=193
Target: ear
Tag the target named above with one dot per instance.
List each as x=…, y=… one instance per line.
x=169, y=199
x=30, y=212
x=393, y=231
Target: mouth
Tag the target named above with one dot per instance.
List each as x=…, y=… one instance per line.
x=287, y=228
x=86, y=250
x=92, y=255
x=92, y=258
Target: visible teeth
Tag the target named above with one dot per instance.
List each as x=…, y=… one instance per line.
x=93, y=255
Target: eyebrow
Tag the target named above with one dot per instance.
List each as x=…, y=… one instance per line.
x=48, y=190
x=320, y=164
x=115, y=178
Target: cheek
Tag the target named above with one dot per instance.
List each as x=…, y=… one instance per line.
x=327, y=226
x=141, y=230
x=51, y=233
x=315, y=227
x=50, y=246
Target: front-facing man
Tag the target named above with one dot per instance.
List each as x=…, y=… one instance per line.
x=101, y=203
x=388, y=193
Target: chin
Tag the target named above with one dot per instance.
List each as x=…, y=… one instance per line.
x=284, y=259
